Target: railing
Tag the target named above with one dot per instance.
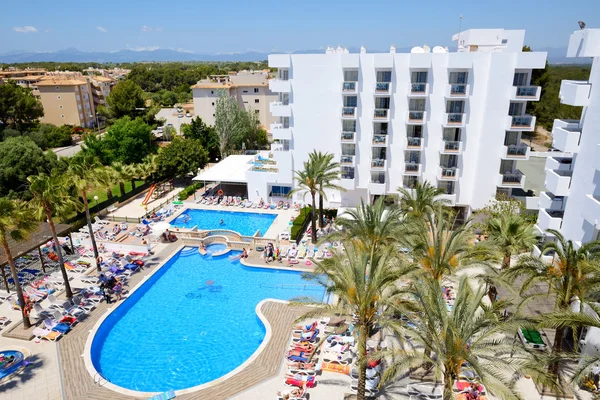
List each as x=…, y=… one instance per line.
x=448, y=172
x=381, y=113
x=416, y=115
x=347, y=135
x=414, y=141
x=348, y=111
x=451, y=146
x=523, y=120
x=378, y=163
x=349, y=87
x=526, y=91
x=346, y=159
x=379, y=139
x=348, y=174
x=411, y=167
x=381, y=132
x=455, y=118
x=378, y=178
x=382, y=87
x=458, y=89
x=265, y=169
x=418, y=87
x=516, y=150
x=281, y=103
x=512, y=177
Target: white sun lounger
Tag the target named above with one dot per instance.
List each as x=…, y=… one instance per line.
x=41, y=333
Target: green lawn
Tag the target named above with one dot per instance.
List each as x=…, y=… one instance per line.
x=101, y=193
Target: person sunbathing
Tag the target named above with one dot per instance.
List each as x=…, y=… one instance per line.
x=306, y=328
x=302, y=366
x=286, y=395
x=305, y=335
x=298, y=353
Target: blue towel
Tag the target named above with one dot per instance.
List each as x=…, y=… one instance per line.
x=164, y=396
x=62, y=328
x=298, y=358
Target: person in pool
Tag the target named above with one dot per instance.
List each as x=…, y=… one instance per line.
x=186, y=218
x=221, y=222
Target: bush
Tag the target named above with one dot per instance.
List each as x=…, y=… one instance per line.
x=190, y=190
x=299, y=222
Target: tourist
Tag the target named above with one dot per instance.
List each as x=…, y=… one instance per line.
x=104, y=291
x=266, y=255
x=221, y=222
x=244, y=253
x=117, y=289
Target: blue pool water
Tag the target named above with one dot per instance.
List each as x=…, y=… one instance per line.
x=192, y=322
x=246, y=224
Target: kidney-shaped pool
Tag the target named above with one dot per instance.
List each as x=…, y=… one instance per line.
x=191, y=322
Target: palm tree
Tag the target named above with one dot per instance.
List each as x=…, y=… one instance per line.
x=106, y=178
x=146, y=169
x=16, y=223
x=470, y=332
x=122, y=174
x=83, y=172
x=328, y=172
x=366, y=287
x=421, y=200
x=510, y=234
x=572, y=275
x=307, y=183
x=51, y=198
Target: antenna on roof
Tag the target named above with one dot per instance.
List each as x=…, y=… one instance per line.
x=581, y=24
x=459, y=28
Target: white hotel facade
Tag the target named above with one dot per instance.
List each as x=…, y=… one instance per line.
x=571, y=203
x=451, y=118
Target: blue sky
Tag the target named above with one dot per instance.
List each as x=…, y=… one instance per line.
x=239, y=26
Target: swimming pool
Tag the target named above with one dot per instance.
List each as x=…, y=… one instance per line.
x=244, y=223
x=192, y=322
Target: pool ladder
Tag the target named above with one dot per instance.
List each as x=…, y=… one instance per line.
x=100, y=380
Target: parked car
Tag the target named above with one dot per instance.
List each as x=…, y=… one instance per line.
x=180, y=116
x=188, y=114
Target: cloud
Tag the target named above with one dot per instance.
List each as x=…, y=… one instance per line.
x=25, y=29
x=146, y=28
x=143, y=48
x=101, y=29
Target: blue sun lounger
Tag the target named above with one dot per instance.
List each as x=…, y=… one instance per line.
x=164, y=396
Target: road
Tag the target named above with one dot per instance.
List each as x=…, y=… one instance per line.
x=170, y=115
x=68, y=151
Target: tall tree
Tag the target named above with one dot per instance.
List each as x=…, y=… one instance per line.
x=126, y=99
x=306, y=183
x=421, y=200
x=121, y=174
x=181, y=157
x=573, y=274
x=328, y=174
x=510, y=234
x=207, y=136
x=52, y=198
x=16, y=223
x=19, y=108
x=227, y=122
x=83, y=174
x=250, y=134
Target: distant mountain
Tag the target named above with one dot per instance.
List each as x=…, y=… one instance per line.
x=555, y=56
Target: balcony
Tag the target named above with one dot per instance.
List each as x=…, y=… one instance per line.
x=516, y=152
x=448, y=173
x=520, y=123
x=449, y=197
x=280, y=109
x=349, y=87
x=418, y=89
x=591, y=210
x=276, y=146
x=278, y=131
x=558, y=182
x=347, y=173
x=379, y=140
x=566, y=135
x=349, y=112
x=549, y=219
x=457, y=91
x=383, y=88
x=525, y=93
x=347, y=137
x=377, y=183
x=551, y=202
x=511, y=179
x=381, y=114
x=416, y=117
x=346, y=160
x=280, y=86
x=411, y=168
x=575, y=93
x=454, y=120
x=559, y=163
x=451, y=147
x=414, y=143
x=378, y=163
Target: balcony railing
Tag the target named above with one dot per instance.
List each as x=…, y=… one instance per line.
x=523, y=120
x=379, y=178
x=458, y=89
x=455, y=118
x=348, y=111
x=346, y=159
x=378, y=163
x=379, y=139
x=518, y=150
x=448, y=172
x=416, y=115
x=348, y=174
x=349, y=87
x=512, y=177
x=381, y=113
x=414, y=141
x=411, y=167
x=382, y=87
x=451, y=146
x=347, y=136
x=417, y=88
x=527, y=91
x=381, y=132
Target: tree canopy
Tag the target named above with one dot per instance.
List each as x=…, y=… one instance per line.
x=125, y=99
x=181, y=157
x=206, y=134
x=19, y=108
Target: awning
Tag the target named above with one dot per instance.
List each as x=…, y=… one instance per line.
x=39, y=237
x=232, y=169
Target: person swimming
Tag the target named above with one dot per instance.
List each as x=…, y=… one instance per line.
x=221, y=222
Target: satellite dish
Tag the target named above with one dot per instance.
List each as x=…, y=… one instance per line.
x=417, y=49
x=438, y=49
x=581, y=24
x=426, y=49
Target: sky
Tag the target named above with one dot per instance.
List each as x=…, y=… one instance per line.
x=234, y=26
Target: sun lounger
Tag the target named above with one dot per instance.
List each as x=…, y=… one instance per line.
x=532, y=338
x=48, y=334
x=98, y=221
x=4, y=322
x=334, y=356
x=57, y=326
x=40, y=313
x=63, y=319
x=79, y=301
x=60, y=304
x=371, y=387
x=425, y=391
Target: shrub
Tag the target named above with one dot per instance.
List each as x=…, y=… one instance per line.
x=190, y=190
x=299, y=222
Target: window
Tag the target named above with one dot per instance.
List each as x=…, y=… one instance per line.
x=213, y=103
x=58, y=97
x=349, y=125
x=418, y=77
x=458, y=78
x=78, y=97
x=80, y=116
x=213, y=115
x=351, y=76
x=256, y=111
x=212, y=92
x=256, y=101
x=515, y=109
x=416, y=105
x=384, y=76
x=245, y=91
x=455, y=107
x=62, y=115
x=59, y=106
x=350, y=101
x=382, y=102
x=348, y=149
x=520, y=79
x=255, y=90
x=280, y=191
x=57, y=88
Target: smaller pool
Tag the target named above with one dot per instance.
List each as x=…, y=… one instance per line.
x=10, y=361
x=244, y=223
x=215, y=248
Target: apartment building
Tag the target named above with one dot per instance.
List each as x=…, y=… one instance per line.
x=101, y=88
x=452, y=118
x=67, y=100
x=250, y=88
x=571, y=203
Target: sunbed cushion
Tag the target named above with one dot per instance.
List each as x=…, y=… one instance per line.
x=532, y=336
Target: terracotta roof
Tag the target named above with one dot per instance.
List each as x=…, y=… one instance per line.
x=61, y=82
x=102, y=79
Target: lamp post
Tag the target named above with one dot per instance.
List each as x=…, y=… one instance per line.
x=96, y=200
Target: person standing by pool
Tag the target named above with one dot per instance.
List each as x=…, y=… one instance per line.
x=118, y=288
x=104, y=291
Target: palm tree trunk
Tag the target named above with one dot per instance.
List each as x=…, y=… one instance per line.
x=313, y=223
x=448, y=386
x=91, y=230
x=15, y=276
x=557, y=348
x=5, y=280
x=61, y=261
x=362, y=361
x=506, y=260
x=109, y=194
x=321, y=224
x=122, y=188
x=132, y=184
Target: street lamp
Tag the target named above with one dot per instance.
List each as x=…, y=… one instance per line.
x=96, y=200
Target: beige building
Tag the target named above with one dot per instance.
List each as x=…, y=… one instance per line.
x=250, y=88
x=67, y=100
x=101, y=87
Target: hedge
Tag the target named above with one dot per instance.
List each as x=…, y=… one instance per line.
x=300, y=221
x=190, y=190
